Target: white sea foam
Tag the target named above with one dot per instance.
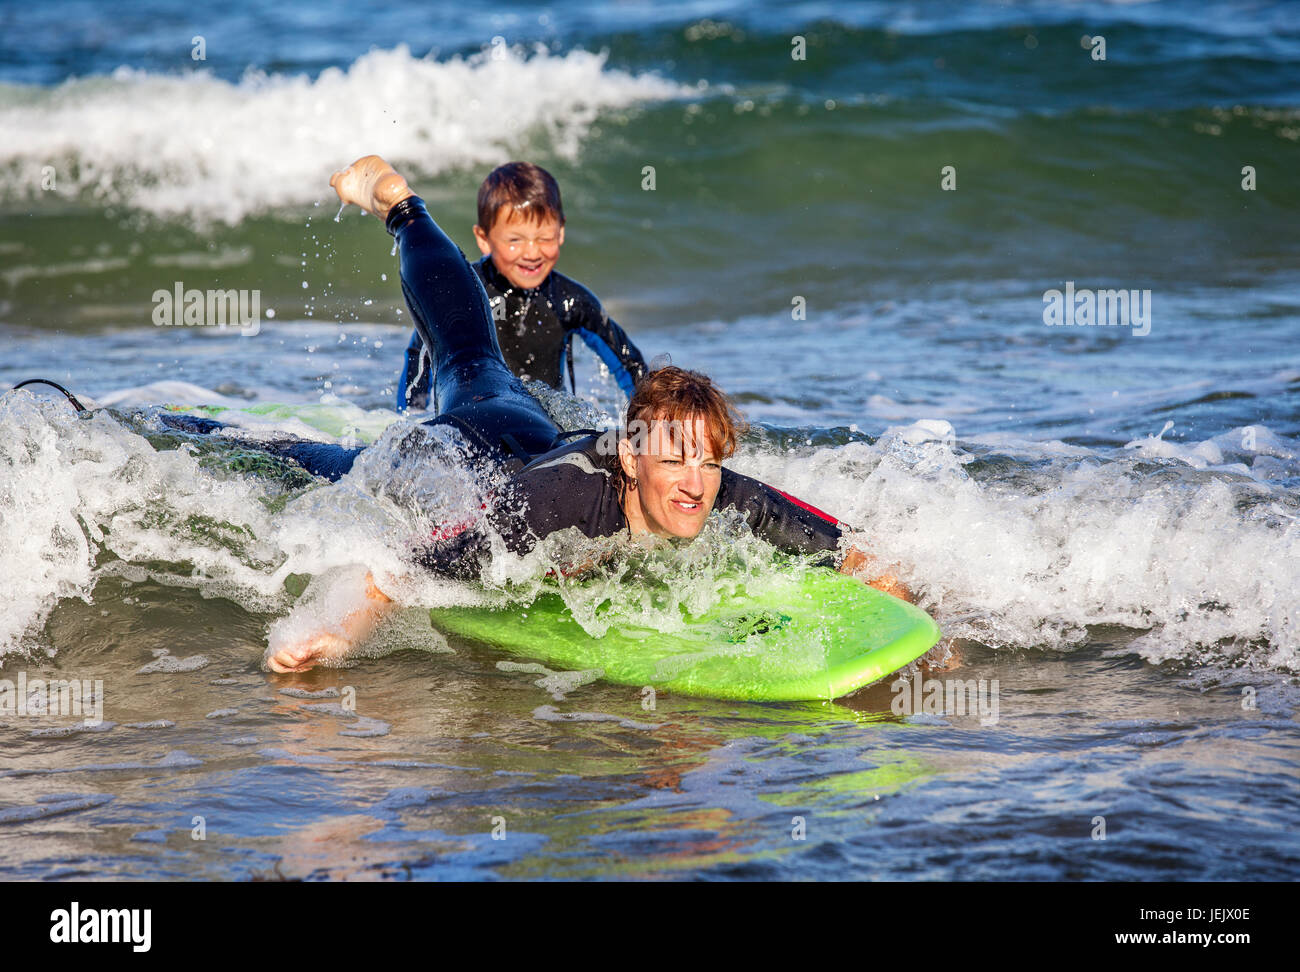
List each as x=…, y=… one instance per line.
x=1201, y=557
x=150, y=140
x=330, y=692
x=74, y=489
x=559, y=684
x=171, y=665
x=548, y=713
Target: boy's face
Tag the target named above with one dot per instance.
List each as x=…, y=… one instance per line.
x=523, y=250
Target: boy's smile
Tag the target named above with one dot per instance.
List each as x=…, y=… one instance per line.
x=523, y=250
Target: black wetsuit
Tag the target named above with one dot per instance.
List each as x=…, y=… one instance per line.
x=560, y=485
x=535, y=331
x=576, y=486
x=475, y=390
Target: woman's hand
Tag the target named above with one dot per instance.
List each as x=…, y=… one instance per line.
x=859, y=563
x=329, y=644
x=300, y=656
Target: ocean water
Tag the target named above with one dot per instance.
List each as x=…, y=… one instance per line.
x=1102, y=518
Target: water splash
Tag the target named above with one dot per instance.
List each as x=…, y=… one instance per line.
x=131, y=138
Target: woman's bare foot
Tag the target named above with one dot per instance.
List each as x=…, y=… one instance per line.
x=372, y=184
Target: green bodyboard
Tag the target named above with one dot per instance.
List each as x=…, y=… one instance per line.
x=334, y=420
x=820, y=635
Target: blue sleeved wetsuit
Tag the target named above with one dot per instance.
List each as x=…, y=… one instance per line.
x=535, y=331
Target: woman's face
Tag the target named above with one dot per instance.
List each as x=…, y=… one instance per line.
x=677, y=472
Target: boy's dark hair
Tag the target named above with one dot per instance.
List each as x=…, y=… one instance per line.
x=526, y=188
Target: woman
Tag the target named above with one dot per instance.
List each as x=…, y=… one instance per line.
x=662, y=476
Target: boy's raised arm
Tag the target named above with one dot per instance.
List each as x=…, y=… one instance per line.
x=587, y=315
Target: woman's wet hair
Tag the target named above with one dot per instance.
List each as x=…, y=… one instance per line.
x=678, y=397
x=526, y=188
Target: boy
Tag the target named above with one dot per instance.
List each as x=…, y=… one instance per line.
x=537, y=312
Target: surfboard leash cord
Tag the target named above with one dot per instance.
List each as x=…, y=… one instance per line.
x=53, y=384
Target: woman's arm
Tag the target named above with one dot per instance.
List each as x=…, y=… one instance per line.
x=300, y=651
x=859, y=563
x=794, y=526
